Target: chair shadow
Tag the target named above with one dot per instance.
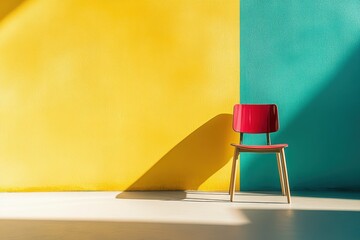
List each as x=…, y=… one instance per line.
x=167, y=196
x=243, y=197
x=153, y=195
x=192, y=161
x=199, y=196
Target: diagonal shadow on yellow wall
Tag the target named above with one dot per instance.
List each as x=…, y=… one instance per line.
x=8, y=6
x=192, y=161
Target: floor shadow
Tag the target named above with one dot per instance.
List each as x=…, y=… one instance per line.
x=300, y=224
x=8, y=6
x=323, y=140
x=199, y=196
x=172, y=196
x=97, y=230
x=261, y=202
x=153, y=195
x=252, y=224
x=192, y=161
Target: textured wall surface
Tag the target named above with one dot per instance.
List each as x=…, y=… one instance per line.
x=305, y=57
x=101, y=95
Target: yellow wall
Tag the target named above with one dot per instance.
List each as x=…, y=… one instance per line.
x=105, y=95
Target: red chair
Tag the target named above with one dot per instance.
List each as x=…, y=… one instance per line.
x=253, y=119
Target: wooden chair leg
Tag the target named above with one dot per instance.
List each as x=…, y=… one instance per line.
x=280, y=173
x=232, y=171
x=233, y=174
x=286, y=179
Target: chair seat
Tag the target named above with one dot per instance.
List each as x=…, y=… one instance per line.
x=260, y=148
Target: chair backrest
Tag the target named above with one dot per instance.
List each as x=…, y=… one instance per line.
x=255, y=118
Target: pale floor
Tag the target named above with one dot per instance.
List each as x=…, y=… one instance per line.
x=178, y=215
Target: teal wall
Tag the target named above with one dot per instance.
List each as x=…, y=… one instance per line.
x=304, y=55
